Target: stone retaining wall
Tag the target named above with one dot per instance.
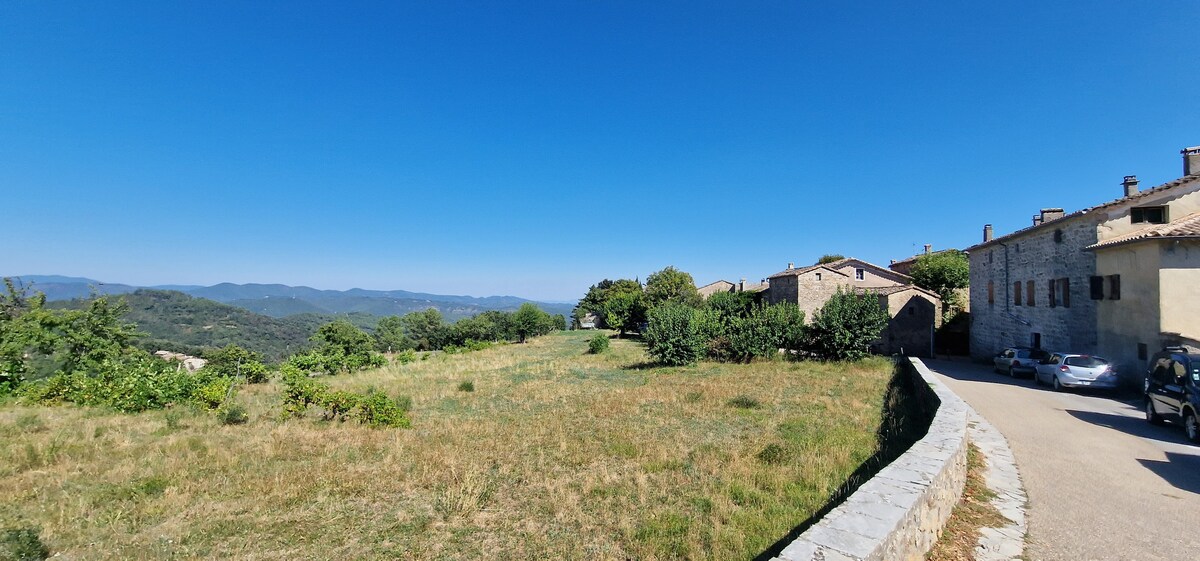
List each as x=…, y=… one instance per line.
x=899, y=513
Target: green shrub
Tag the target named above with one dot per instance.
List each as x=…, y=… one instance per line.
x=744, y=402
x=673, y=336
x=376, y=409
x=299, y=391
x=406, y=356
x=466, y=386
x=233, y=414
x=22, y=544
x=772, y=454
x=473, y=345
x=213, y=393
x=766, y=330
x=598, y=343
x=338, y=404
x=845, y=327
x=232, y=361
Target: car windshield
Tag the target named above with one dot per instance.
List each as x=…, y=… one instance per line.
x=1086, y=361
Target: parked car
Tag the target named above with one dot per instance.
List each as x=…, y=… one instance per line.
x=1173, y=390
x=1018, y=360
x=1066, y=370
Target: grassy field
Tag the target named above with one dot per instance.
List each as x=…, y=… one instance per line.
x=554, y=454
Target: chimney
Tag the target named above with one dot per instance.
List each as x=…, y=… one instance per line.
x=791, y=265
x=1050, y=214
x=928, y=249
x=1037, y=219
x=987, y=233
x=1191, y=160
x=1130, y=184
x=742, y=285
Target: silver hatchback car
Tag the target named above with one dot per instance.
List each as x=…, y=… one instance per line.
x=1018, y=360
x=1065, y=370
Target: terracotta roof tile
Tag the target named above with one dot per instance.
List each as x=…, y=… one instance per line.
x=1186, y=227
x=1136, y=196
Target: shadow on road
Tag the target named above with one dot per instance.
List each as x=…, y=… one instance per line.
x=1180, y=470
x=1136, y=426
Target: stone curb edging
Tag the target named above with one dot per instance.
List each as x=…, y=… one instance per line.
x=898, y=513
x=1002, y=477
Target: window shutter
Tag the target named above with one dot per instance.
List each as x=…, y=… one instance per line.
x=991, y=292
x=1029, y=292
x=1097, y=287
x=1066, y=292
x=1114, y=287
x=1017, y=293
x=1053, y=297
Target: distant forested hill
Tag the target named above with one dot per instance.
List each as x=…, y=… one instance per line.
x=280, y=300
x=177, y=322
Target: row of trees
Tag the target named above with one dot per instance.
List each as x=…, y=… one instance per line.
x=731, y=327
x=428, y=331
x=623, y=304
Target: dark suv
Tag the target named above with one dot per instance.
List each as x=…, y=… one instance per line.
x=1173, y=389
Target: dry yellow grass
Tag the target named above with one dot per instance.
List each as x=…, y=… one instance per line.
x=555, y=454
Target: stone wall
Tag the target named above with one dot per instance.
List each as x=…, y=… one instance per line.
x=899, y=513
x=1054, y=251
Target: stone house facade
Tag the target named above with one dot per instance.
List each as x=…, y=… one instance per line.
x=1120, y=279
x=913, y=310
x=726, y=286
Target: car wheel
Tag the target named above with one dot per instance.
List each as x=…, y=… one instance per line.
x=1058, y=387
x=1191, y=427
x=1152, y=416
x=1037, y=378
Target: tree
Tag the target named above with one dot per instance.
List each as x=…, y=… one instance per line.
x=674, y=336
x=830, y=258
x=597, y=298
x=341, y=335
x=426, y=329
x=943, y=272
x=671, y=285
x=232, y=361
x=625, y=311
x=845, y=326
x=390, y=336
x=530, y=321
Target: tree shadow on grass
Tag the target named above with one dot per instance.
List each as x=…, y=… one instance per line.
x=909, y=407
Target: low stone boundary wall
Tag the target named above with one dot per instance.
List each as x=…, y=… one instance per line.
x=899, y=513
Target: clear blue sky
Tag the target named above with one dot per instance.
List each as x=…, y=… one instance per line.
x=479, y=148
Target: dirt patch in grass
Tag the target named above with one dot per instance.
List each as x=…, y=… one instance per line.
x=961, y=534
x=556, y=453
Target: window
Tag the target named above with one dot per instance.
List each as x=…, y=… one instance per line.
x=1029, y=292
x=1142, y=351
x=1114, y=287
x=1053, y=298
x=990, y=254
x=1148, y=215
x=991, y=292
x=1058, y=236
x=1066, y=292
x=1017, y=293
x=859, y=274
x=1097, y=287
x=818, y=276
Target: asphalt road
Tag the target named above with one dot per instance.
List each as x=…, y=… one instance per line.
x=1102, y=482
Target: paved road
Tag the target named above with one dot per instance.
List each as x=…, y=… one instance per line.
x=1102, y=482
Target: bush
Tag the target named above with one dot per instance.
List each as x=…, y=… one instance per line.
x=233, y=414
x=232, y=361
x=766, y=330
x=673, y=336
x=213, y=393
x=338, y=404
x=744, y=402
x=22, y=544
x=376, y=409
x=845, y=326
x=466, y=386
x=406, y=356
x=598, y=343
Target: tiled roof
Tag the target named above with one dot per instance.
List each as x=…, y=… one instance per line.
x=888, y=290
x=1186, y=227
x=832, y=266
x=1134, y=197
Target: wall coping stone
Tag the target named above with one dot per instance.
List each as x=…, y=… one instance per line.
x=898, y=514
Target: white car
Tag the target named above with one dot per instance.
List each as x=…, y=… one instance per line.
x=1018, y=360
x=1065, y=370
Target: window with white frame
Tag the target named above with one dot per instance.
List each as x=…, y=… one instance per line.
x=860, y=274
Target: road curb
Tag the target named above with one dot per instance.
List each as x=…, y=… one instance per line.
x=1002, y=477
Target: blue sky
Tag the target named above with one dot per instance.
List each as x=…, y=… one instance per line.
x=533, y=149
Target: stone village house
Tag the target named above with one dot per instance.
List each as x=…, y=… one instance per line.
x=914, y=311
x=1120, y=279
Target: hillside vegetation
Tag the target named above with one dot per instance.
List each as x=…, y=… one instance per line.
x=539, y=450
